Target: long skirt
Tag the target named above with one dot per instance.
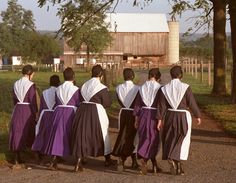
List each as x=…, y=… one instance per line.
x=40, y=142
x=22, y=128
x=124, y=145
x=174, y=131
x=149, y=142
x=87, y=136
x=60, y=134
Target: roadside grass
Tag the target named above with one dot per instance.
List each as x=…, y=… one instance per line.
x=220, y=108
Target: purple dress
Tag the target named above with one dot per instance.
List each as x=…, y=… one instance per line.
x=47, y=103
x=67, y=100
x=22, y=126
x=149, y=141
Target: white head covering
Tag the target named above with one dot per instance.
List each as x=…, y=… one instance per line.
x=91, y=87
x=127, y=92
x=21, y=87
x=148, y=91
x=174, y=92
x=49, y=96
x=66, y=91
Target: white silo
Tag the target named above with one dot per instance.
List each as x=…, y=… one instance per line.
x=173, y=53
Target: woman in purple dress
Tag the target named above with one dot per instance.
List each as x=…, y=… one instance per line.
x=22, y=126
x=67, y=101
x=145, y=112
x=44, y=124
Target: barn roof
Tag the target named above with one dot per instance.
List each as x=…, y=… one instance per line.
x=137, y=22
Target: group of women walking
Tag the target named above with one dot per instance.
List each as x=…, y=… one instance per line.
x=74, y=122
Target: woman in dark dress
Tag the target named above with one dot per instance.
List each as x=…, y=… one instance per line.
x=125, y=144
x=175, y=99
x=90, y=127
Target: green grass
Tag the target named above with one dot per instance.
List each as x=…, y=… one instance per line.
x=220, y=108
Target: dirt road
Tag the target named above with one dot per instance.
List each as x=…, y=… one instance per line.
x=212, y=159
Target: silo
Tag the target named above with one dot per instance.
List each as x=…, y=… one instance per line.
x=173, y=52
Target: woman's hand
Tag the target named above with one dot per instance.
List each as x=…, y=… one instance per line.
x=199, y=121
x=136, y=123
x=159, y=125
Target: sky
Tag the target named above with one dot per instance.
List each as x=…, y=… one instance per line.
x=47, y=19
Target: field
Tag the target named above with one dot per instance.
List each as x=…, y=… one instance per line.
x=220, y=108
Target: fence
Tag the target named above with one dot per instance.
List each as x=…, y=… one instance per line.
x=42, y=68
x=203, y=69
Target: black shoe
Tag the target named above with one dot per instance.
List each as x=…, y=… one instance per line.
x=110, y=162
x=39, y=159
x=143, y=167
x=78, y=167
x=84, y=161
x=134, y=162
x=120, y=165
x=180, y=170
x=173, y=167
x=53, y=164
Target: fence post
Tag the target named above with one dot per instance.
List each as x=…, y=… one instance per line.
x=201, y=71
x=184, y=66
x=196, y=66
x=189, y=69
x=209, y=73
x=192, y=61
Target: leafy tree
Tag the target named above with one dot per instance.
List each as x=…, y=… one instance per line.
x=79, y=31
x=18, y=36
x=219, y=21
x=232, y=12
x=41, y=48
x=205, y=17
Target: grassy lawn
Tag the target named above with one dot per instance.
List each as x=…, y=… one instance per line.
x=220, y=108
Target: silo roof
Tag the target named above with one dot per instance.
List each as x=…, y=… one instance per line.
x=137, y=22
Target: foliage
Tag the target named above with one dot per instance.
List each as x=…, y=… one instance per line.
x=220, y=108
x=203, y=8
x=18, y=36
x=78, y=30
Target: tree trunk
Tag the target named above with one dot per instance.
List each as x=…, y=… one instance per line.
x=88, y=58
x=219, y=21
x=232, y=12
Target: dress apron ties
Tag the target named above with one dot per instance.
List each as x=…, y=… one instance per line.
x=186, y=142
x=145, y=107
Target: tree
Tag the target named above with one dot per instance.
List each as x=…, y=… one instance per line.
x=232, y=13
x=41, y=48
x=18, y=36
x=16, y=23
x=219, y=21
x=79, y=31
